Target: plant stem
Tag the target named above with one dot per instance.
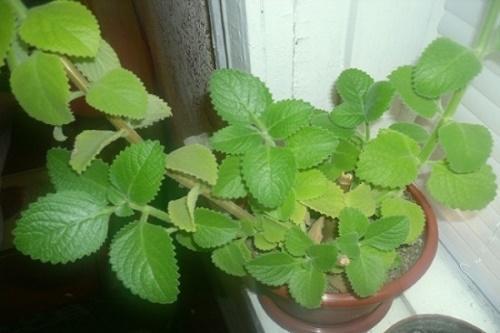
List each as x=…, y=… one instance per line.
x=263, y=131
x=483, y=39
x=19, y=8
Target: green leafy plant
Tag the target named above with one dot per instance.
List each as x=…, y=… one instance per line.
x=319, y=199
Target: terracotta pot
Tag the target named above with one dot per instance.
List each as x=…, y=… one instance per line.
x=345, y=313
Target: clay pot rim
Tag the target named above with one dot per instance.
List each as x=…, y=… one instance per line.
x=398, y=286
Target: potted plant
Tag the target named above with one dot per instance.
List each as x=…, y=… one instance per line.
x=299, y=198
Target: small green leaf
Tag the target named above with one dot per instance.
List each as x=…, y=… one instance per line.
x=186, y=239
x=88, y=144
x=285, y=211
x=180, y=216
x=330, y=204
x=262, y=244
x=194, y=160
x=274, y=269
x=95, y=68
x=346, y=155
x=284, y=118
x=352, y=220
x=310, y=184
x=352, y=85
x=367, y=273
x=323, y=256
x=444, y=66
x=297, y=242
x=348, y=244
x=412, y=130
x=157, y=110
x=401, y=80
x=229, y=181
x=307, y=286
x=232, y=258
x=62, y=227
x=138, y=171
x=299, y=213
x=238, y=97
x=389, y=160
x=119, y=93
x=273, y=231
x=192, y=198
x=362, y=198
x=378, y=100
x=387, y=233
x=7, y=29
x=213, y=229
x=143, y=257
x=317, y=142
x=467, y=191
x=322, y=119
x=402, y=207
x=42, y=88
x=467, y=146
x=62, y=26
x=269, y=173
x=236, y=139
x=348, y=115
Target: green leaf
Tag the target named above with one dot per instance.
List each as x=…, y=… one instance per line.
x=213, y=229
x=143, y=257
x=262, y=244
x=236, y=139
x=330, y=204
x=229, y=181
x=401, y=80
x=274, y=269
x=94, y=180
x=389, y=160
x=346, y=155
x=466, y=191
x=7, y=29
x=180, y=216
x=63, y=27
x=186, y=239
x=310, y=184
x=414, y=131
x=297, y=242
x=232, y=258
x=362, y=198
x=348, y=244
x=62, y=227
x=444, y=66
x=238, y=97
x=317, y=142
x=367, y=273
x=307, y=286
x=104, y=61
x=18, y=53
x=467, y=146
x=352, y=220
x=402, y=207
x=273, y=231
x=285, y=211
x=352, y=85
x=387, y=233
x=284, y=118
x=377, y=100
x=323, y=256
x=194, y=160
x=322, y=119
x=119, y=93
x=42, y=88
x=269, y=173
x=157, y=110
x=88, y=144
x=138, y=171
x=348, y=115
x=299, y=213
x=192, y=198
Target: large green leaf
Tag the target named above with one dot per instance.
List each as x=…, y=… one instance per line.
x=317, y=142
x=62, y=26
x=387, y=233
x=236, y=139
x=138, y=171
x=352, y=220
x=402, y=82
x=238, y=97
x=88, y=144
x=7, y=29
x=467, y=191
x=269, y=173
x=402, y=207
x=104, y=61
x=229, y=181
x=412, y=130
x=443, y=67
x=389, y=160
x=180, y=215
x=307, y=286
x=213, y=228
x=467, y=146
x=232, y=258
x=42, y=88
x=310, y=184
x=284, y=118
x=274, y=269
x=352, y=85
x=323, y=256
x=119, y=93
x=157, y=110
x=143, y=257
x=297, y=242
x=63, y=227
x=367, y=273
x=330, y=204
x=194, y=160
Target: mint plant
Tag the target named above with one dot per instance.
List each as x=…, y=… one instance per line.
x=300, y=197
